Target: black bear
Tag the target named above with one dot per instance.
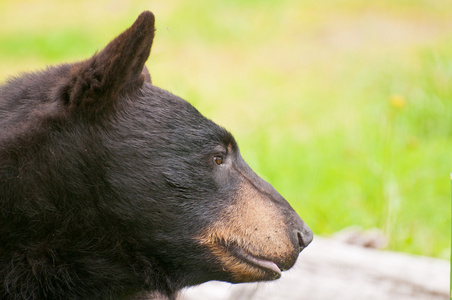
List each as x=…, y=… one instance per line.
x=112, y=188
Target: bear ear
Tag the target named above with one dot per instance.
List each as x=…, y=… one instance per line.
x=118, y=68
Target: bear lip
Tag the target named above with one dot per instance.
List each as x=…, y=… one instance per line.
x=268, y=265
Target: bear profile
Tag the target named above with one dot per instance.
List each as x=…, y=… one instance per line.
x=112, y=188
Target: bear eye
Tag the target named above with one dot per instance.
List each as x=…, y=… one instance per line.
x=218, y=160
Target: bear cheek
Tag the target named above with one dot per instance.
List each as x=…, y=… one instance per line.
x=253, y=226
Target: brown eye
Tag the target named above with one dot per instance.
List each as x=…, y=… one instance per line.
x=218, y=160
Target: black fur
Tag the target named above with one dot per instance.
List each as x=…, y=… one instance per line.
x=105, y=179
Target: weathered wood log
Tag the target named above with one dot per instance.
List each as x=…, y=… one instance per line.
x=329, y=269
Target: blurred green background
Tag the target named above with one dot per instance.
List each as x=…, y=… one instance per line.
x=343, y=105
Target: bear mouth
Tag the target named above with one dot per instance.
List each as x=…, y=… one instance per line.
x=265, y=265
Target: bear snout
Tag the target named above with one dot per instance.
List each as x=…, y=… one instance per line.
x=256, y=237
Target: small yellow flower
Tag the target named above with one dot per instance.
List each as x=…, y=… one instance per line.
x=397, y=101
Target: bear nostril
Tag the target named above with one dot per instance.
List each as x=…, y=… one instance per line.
x=304, y=240
x=300, y=241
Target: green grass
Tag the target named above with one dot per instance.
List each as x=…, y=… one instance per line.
x=345, y=108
